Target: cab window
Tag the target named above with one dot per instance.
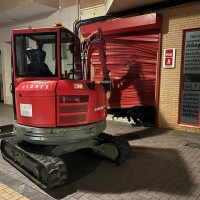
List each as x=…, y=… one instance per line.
x=35, y=55
x=70, y=56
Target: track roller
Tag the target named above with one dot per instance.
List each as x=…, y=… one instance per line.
x=112, y=148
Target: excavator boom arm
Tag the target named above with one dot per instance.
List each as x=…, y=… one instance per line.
x=93, y=42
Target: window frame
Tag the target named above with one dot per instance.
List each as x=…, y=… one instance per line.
x=182, y=81
x=28, y=35
x=74, y=37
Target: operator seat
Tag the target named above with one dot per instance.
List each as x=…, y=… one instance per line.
x=37, y=66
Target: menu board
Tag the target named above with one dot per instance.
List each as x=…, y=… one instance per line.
x=190, y=95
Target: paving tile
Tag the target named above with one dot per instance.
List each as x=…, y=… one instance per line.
x=161, y=167
x=7, y=193
x=39, y=196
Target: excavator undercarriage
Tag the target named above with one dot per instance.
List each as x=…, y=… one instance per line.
x=47, y=170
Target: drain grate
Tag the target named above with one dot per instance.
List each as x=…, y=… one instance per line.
x=193, y=145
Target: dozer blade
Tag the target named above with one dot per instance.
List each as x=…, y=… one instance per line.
x=112, y=148
x=34, y=161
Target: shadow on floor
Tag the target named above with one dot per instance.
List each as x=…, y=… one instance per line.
x=79, y=164
x=139, y=133
x=152, y=169
x=119, y=113
x=4, y=130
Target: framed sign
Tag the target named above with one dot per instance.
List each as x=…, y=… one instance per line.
x=189, y=111
x=169, y=58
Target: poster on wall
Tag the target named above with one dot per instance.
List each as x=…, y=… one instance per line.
x=190, y=84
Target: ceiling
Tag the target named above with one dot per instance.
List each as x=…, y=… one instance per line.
x=123, y=5
x=33, y=9
x=24, y=11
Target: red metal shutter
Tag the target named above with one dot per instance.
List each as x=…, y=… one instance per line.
x=133, y=51
x=131, y=60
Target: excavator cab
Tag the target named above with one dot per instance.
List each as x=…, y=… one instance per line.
x=46, y=53
x=50, y=89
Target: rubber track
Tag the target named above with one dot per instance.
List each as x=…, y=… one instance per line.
x=54, y=167
x=124, y=148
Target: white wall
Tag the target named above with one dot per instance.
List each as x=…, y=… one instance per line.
x=1, y=81
x=91, y=12
x=6, y=72
x=66, y=15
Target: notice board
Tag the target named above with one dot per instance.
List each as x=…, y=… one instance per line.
x=190, y=79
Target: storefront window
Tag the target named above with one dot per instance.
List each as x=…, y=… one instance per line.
x=190, y=80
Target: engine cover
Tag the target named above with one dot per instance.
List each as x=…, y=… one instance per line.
x=60, y=103
x=78, y=103
x=35, y=103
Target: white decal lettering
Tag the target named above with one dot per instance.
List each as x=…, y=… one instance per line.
x=99, y=108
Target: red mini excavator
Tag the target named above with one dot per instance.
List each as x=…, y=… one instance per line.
x=57, y=108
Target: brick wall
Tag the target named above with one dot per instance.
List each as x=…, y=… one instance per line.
x=174, y=21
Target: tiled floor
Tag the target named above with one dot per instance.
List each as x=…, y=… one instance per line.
x=161, y=166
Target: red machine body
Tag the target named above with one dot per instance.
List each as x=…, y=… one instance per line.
x=57, y=108
x=56, y=100
x=35, y=103
x=59, y=103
